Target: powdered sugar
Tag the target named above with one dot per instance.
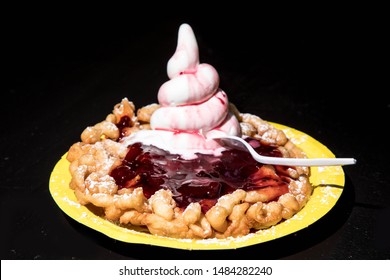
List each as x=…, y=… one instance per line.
x=71, y=202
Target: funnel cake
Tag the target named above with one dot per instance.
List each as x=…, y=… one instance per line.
x=156, y=168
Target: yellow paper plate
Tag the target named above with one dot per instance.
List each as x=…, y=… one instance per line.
x=328, y=182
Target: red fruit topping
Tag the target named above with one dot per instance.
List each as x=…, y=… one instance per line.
x=204, y=179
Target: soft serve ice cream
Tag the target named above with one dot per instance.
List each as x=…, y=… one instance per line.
x=193, y=107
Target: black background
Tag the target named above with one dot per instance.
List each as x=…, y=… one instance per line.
x=62, y=73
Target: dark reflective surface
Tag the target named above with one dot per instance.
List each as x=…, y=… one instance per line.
x=61, y=79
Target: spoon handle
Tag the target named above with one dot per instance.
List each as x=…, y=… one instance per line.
x=307, y=161
x=234, y=140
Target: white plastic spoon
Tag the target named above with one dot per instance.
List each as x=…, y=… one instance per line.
x=234, y=141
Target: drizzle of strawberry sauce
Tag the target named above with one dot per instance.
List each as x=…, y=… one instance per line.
x=203, y=179
x=123, y=123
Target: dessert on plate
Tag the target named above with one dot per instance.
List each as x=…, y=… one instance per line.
x=157, y=168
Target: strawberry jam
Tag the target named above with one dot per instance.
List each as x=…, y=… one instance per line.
x=124, y=122
x=203, y=179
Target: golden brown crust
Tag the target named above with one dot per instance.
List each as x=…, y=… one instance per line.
x=234, y=214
